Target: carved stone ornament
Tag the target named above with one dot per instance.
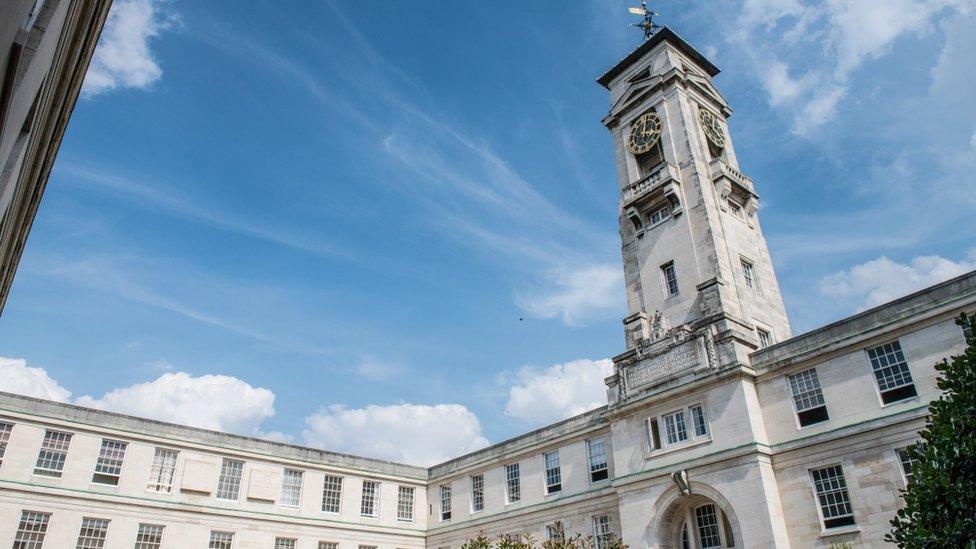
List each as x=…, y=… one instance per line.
x=659, y=326
x=655, y=361
x=680, y=479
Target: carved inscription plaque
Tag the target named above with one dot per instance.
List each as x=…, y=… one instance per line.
x=664, y=365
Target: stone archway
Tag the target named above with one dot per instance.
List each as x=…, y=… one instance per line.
x=702, y=519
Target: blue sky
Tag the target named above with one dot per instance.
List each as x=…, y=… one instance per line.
x=390, y=228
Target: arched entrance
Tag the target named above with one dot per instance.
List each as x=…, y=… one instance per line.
x=700, y=520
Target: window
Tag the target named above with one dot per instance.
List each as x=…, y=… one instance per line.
x=513, y=483
x=735, y=208
x=555, y=532
x=31, y=530
x=891, y=372
x=229, y=482
x=331, y=494
x=5, y=429
x=808, y=399
x=54, y=450
x=445, y=502
x=706, y=519
x=109, y=464
x=163, y=467
x=405, y=503
x=93, y=532
x=221, y=540
x=367, y=507
x=670, y=279
x=602, y=531
x=367, y=547
x=554, y=476
x=328, y=545
x=477, y=493
x=835, y=502
x=596, y=453
x=654, y=434
x=674, y=427
x=660, y=214
x=698, y=417
x=284, y=543
x=748, y=274
x=150, y=536
x=907, y=463
x=291, y=487
x=765, y=339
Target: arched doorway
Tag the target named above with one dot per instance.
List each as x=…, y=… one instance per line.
x=700, y=520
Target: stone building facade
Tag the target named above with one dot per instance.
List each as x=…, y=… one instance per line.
x=721, y=429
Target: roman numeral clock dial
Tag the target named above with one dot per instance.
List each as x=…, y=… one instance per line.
x=644, y=133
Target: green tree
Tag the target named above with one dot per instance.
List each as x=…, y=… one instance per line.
x=940, y=500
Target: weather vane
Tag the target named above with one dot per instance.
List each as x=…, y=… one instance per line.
x=648, y=24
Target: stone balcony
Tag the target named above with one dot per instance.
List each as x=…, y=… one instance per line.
x=729, y=180
x=662, y=180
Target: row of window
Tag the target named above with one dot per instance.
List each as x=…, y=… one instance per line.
x=596, y=452
x=891, y=373
x=678, y=427
x=108, y=468
x=833, y=497
x=32, y=530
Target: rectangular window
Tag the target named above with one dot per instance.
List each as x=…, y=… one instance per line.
x=674, y=427
x=229, y=482
x=284, y=543
x=92, y=534
x=445, y=502
x=331, y=494
x=328, y=545
x=660, y=214
x=221, y=540
x=31, y=530
x=554, y=532
x=150, y=536
x=891, y=372
x=765, y=339
x=907, y=463
x=513, y=483
x=596, y=453
x=163, y=467
x=367, y=547
x=5, y=429
x=368, y=506
x=808, y=399
x=405, y=503
x=602, y=531
x=670, y=279
x=477, y=493
x=707, y=521
x=291, y=487
x=735, y=208
x=748, y=274
x=554, y=476
x=108, y=468
x=54, y=450
x=835, y=502
x=654, y=433
x=698, y=419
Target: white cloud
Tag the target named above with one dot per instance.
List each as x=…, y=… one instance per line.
x=378, y=370
x=17, y=377
x=122, y=57
x=217, y=402
x=409, y=433
x=782, y=88
x=575, y=295
x=881, y=280
x=558, y=392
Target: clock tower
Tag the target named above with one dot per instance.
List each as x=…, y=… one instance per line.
x=701, y=291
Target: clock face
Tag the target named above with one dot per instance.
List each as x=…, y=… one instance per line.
x=712, y=127
x=644, y=133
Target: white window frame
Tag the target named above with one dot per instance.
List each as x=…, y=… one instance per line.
x=901, y=454
x=231, y=476
x=160, y=468
x=513, y=483
x=369, y=501
x=845, y=491
x=666, y=270
x=444, y=495
x=285, y=543
x=290, y=490
x=92, y=533
x=736, y=208
x=328, y=545
x=662, y=213
x=552, y=474
x=108, y=466
x=222, y=538
x=5, y=430
x=332, y=493
x=595, y=468
x=405, y=503
x=602, y=530
x=675, y=428
x=53, y=453
x=805, y=386
x=32, y=528
x=749, y=274
x=477, y=493
x=885, y=359
x=149, y=536
x=764, y=336
x=691, y=428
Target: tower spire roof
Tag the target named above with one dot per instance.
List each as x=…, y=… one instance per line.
x=661, y=35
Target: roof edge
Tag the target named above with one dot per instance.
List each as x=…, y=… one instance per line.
x=663, y=35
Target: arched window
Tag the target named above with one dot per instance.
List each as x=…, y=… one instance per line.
x=705, y=526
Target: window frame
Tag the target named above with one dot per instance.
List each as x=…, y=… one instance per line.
x=332, y=489
x=291, y=487
x=6, y=428
x=903, y=457
x=372, y=496
x=156, y=487
x=764, y=336
x=878, y=366
x=513, y=483
x=839, y=521
x=92, y=533
x=477, y=485
x=146, y=539
x=656, y=428
x=285, y=543
x=749, y=274
x=552, y=477
x=444, y=497
x=224, y=479
x=661, y=217
x=107, y=461
x=793, y=382
x=32, y=527
x=596, y=470
x=601, y=540
x=59, y=450
x=669, y=278
x=406, y=503
x=226, y=540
